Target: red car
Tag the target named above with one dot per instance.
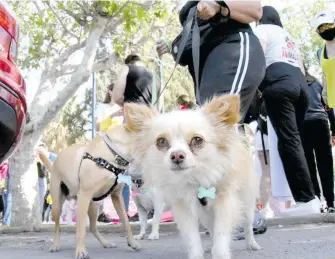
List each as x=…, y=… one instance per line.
x=13, y=106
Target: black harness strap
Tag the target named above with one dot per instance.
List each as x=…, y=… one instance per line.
x=104, y=164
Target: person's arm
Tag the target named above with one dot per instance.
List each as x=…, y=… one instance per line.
x=241, y=11
x=120, y=86
x=331, y=117
x=245, y=11
x=116, y=114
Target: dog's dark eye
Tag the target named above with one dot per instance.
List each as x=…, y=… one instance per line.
x=162, y=143
x=197, y=142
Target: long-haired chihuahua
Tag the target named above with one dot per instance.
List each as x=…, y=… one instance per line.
x=203, y=166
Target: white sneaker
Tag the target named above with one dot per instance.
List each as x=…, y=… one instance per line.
x=303, y=208
x=267, y=213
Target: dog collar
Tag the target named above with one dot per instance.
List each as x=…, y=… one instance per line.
x=123, y=159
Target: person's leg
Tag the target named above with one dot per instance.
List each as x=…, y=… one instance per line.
x=4, y=202
x=47, y=214
x=102, y=217
x=265, y=183
x=324, y=160
x=126, y=196
x=308, y=142
x=236, y=66
x=282, y=113
x=42, y=191
x=8, y=209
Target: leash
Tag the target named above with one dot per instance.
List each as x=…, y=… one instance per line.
x=191, y=19
x=155, y=97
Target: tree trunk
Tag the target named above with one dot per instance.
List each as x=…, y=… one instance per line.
x=24, y=182
x=26, y=211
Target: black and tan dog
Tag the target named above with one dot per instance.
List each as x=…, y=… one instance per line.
x=90, y=173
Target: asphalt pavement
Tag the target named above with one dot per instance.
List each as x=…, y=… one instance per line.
x=315, y=241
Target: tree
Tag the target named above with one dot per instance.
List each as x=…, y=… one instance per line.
x=301, y=29
x=67, y=41
x=72, y=124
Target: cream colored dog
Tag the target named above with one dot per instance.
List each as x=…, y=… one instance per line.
x=73, y=176
x=202, y=165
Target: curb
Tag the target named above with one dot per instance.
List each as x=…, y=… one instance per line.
x=171, y=226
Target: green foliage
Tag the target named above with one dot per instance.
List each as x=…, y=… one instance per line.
x=71, y=125
x=76, y=117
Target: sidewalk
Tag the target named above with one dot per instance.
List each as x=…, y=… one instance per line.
x=306, y=241
x=171, y=227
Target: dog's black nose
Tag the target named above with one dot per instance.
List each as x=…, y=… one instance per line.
x=177, y=157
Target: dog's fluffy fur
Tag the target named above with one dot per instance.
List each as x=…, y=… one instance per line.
x=213, y=154
x=85, y=180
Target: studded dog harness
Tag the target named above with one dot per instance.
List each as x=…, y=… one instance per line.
x=118, y=159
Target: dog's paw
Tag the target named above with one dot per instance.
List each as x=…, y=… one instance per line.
x=54, y=249
x=134, y=245
x=109, y=245
x=226, y=256
x=81, y=255
x=153, y=236
x=139, y=236
x=253, y=246
x=221, y=255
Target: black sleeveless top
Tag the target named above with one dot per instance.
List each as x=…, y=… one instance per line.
x=138, y=85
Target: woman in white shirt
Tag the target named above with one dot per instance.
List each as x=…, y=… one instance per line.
x=107, y=108
x=285, y=95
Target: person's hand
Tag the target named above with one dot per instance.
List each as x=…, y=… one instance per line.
x=207, y=9
x=333, y=140
x=162, y=47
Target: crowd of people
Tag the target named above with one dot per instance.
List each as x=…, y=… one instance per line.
x=236, y=59
x=292, y=119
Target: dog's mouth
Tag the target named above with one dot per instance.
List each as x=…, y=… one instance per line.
x=179, y=168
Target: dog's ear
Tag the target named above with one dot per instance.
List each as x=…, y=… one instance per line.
x=224, y=108
x=136, y=115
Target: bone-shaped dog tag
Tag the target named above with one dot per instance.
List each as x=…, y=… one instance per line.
x=206, y=193
x=122, y=178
